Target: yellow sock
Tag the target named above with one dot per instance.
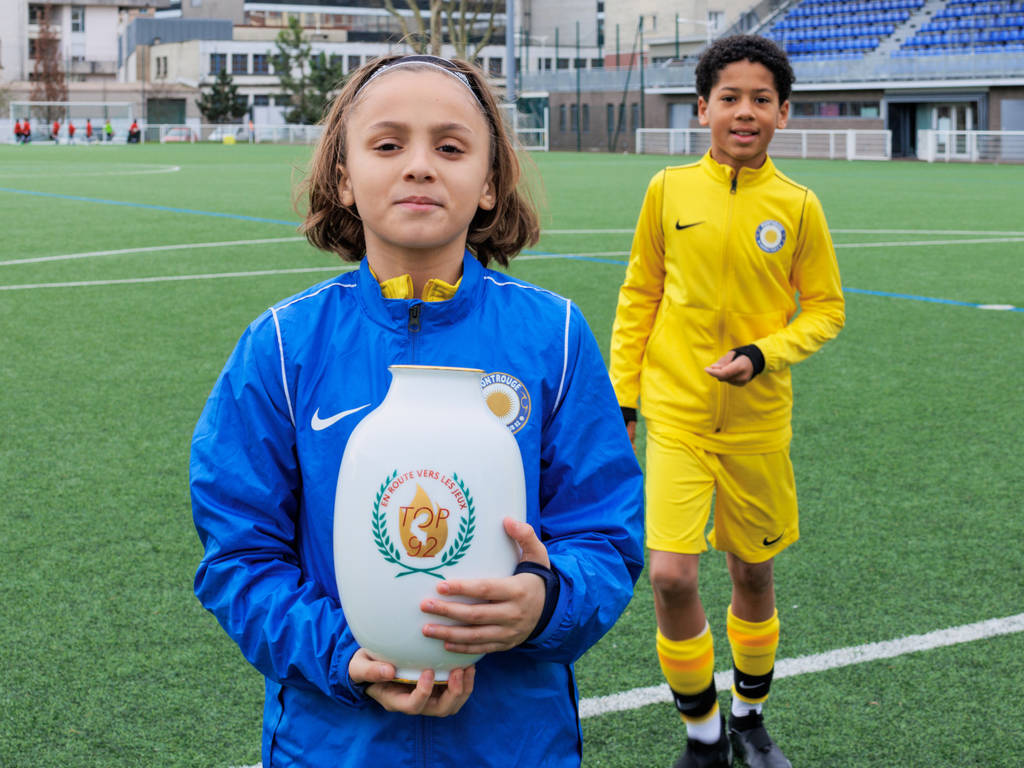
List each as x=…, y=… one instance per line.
x=754, y=645
x=689, y=668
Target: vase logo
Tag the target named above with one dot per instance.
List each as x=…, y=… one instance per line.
x=422, y=506
x=507, y=398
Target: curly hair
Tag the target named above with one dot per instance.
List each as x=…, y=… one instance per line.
x=497, y=234
x=759, y=50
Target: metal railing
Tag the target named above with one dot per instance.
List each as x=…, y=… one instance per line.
x=971, y=146
x=868, y=69
x=834, y=145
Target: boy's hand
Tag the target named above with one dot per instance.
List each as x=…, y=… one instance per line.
x=732, y=369
x=631, y=431
x=511, y=606
x=424, y=698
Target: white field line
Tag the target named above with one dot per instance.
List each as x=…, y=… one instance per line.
x=992, y=237
x=898, y=243
x=834, y=231
x=819, y=662
x=173, y=278
x=149, y=249
x=15, y=173
x=525, y=257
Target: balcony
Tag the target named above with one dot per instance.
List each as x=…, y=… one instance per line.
x=93, y=68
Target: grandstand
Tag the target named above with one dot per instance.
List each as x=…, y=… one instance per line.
x=825, y=29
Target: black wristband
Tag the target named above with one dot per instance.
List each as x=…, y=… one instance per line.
x=552, y=588
x=628, y=414
x=752, y=353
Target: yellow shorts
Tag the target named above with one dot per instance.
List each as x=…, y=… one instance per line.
x=754, y=496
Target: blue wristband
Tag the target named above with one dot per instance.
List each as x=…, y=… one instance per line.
x=552, y=587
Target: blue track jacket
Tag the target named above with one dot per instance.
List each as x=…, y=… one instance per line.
x=264, y=469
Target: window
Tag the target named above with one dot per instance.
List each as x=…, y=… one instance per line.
x=865, y=109
x=716, y=19
x=240, y=63
x=218, y=63
x=36, y=14
x=283, y=100
x=354, y=62
x=494, y=67
x=77, y=18
x=579, y=63
x=261, y=100
x=260, y=64
x=337, y=61
x=575, y=118
x=161, y=66
x=242, y=100
x=561, y=117
x=586, y=118
x=609, y=116
x=597, y=63
x=634, y=116
x=563, y=63
x=32, y=48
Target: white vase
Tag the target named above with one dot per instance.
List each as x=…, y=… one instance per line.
x=425, y=482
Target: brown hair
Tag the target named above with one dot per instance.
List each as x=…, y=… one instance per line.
x=497, y=234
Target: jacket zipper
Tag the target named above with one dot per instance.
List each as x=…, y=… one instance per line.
x=414, y=326
x=723, y=389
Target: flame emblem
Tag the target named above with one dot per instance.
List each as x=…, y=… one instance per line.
x=432, y=521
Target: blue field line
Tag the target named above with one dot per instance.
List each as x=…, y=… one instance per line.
x=929, y=299
x=149, y=206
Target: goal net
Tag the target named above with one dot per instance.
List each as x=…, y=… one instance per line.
x=527, y=120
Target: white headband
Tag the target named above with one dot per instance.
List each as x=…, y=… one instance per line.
x=444, y=65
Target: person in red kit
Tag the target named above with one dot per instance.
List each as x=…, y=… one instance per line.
x=88, y=130
x=71, y=132
x=55, y=132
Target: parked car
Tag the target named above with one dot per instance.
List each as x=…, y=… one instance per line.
x=239, y=132
x=177, y=134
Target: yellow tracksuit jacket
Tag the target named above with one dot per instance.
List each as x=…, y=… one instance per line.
x=718, y=261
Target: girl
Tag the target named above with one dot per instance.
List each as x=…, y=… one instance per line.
x=415, y=178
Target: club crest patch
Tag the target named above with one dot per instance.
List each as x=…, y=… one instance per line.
x=770, y=236
x=507, y=398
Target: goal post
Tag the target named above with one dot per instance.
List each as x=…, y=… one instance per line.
x=527, y=121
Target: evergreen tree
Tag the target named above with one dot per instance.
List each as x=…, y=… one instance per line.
x=221, y=104
x=307, y=80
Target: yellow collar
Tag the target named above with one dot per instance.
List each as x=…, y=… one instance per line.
x=401, y=288
x=747, y=176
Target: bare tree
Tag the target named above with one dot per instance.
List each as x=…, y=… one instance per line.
x=463, y=17
x=460, y=17
x=48, y=77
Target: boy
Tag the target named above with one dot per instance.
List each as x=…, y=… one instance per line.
x=705, y=331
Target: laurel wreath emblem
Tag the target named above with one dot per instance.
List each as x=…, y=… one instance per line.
x=451, y=555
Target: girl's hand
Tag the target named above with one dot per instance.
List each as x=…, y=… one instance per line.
x=732, y=369
x=511, y=606
x=424, y=698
